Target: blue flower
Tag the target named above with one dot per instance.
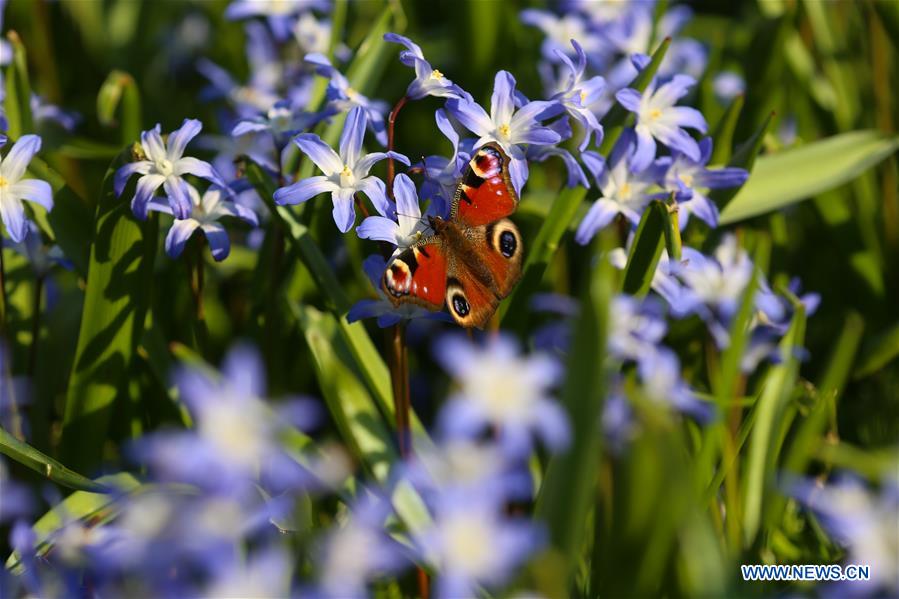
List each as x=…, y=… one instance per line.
x=659, y=118
x=14, y=188
x=442, y=174
x=41, y=257
x=472, y=543
x=166, y=166
x=636, y=328
x=206, y=213
x=624, y=189
x=660, y=375
x=509, y=127
x=428, y=81
x=381, y=308
x=727, y=85
x=502, y=389
x=577, y=95
x=690, y=178
x=408, y=226
x=344, y=174
x=342, y=98
x=46, y=112
x=281, y=121
x=280, y=14
x=559, y=32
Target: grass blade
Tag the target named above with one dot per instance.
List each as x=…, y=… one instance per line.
x=646, y=249
x=45, y=465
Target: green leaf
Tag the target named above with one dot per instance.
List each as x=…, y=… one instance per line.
x=568, y=489
x=781, y=179
x=119, y=91
x=18, y=91
x=883, y=349
x=70, y=223
x=353, y=410
x=614, y=121
x=120, y=275
x=649, y=240
x=545, y=245
x=45, y=465
x=744, y=157
x=723, y=135
x=759, y=479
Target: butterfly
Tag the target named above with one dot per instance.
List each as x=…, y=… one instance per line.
x=472, y=259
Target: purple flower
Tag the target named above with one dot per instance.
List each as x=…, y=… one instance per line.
x=502, y=389
x=577, y=95
x=408, y=227
x=428, y=81
x=658, y=118
x=559, y=32
x=166, y=166
x=636, y=328
x=46, y=112
x=281, y=121
x=727, y=85
x=509, y=127
x=659, y=372
x=206, y=213
x=342, y=98
x=442, y=174
x=344, y=174
x=279, y=13
x=690, y=178
x=14, y=188
x=624, y=189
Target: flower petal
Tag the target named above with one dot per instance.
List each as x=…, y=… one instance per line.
x=379, y=228
x=199, y=168
x=364, y=165
x=400, y=39
x=600, y=214
x=407, y=209
x=352, y=136
x=34, y=190
x=178, y=235
x=502, y=102
x=304, y=189
x=629, y=98
x=123, y=174
x=319, y=152
x=471, y=115
x=217, y=236
x=13, y=166
x=721, y=177
x=446, y=127
x=179, y=138
x=684, y=116
x=178, y=191
x=376, y=192
x=151, y=142
x=344, y=213
x=13, y=214
x=146, y=187
x=645, y=150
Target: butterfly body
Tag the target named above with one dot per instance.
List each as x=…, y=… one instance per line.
x=473, y=259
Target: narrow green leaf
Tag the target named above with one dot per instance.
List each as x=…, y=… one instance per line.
x=760, y=470
x=568, y=489
x=723, y=134
x=883, y=349
x=45, y=465
x=613, y=122
x=673, y=242
x=119, y=92
x=17, y=102
x=786, y=177
x=646, y=249
x=354, y=411
x=545, y=245
x=744, y=157
x=116, y=298
x=70, y=223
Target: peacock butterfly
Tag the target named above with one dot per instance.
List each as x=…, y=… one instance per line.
x=471, y=260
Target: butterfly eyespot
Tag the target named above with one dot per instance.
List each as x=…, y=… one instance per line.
x=460, y=305
x=507, y=244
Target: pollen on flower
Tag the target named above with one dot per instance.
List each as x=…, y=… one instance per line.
x=583, y=97
x=3, y=182
x=625, y=191
x=164, y=167
x=686, y=179
x=346, y=177
x=654, y=114
x=435, y=74
x=505, y=131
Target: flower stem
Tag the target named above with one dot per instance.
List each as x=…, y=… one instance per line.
x=196, y=274
x=391, y=122
x=399, y=375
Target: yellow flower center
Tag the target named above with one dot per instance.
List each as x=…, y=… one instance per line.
x=435, y=74
x=654, y=114
x=504, y=131
x=686, y=179
x=583, y=97
x=164, y=167
x=346, y=177
x=351, y=93
x=625, y=191
x=3, y=182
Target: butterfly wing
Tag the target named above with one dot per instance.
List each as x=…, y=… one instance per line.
x=485, y=193
x=418, y=275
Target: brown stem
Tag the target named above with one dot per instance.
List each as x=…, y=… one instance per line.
x=391, y=122
x=399, y=374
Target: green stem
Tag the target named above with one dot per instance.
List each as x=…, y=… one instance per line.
x=391, y=122
x=195, y=272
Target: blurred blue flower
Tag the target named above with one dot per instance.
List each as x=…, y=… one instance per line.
x=41, y=257
x=636, y=328
x=862, y=521
x=207, y=211
x=501, y=389
x=559, y=32
x=690, y=179
x=165, y=166
x=342, y=97
x=660, y=375
x=509, y=127
x=344, y=174
x=16, y=500
x=473, y=543
x=428, y=81
x=280, y=14
x=576, y=175
x=14, y=188
x=281, y=121
x=578, y=95
x=727, y=85
x=658, y=118
x=358, y=551
x=382, y=308
x=44, y=112
x=625, y=190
